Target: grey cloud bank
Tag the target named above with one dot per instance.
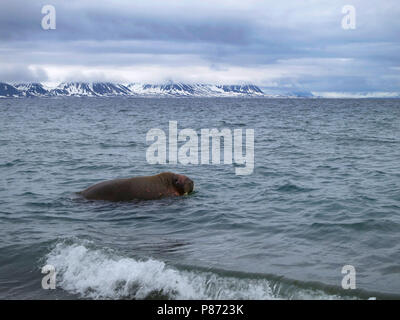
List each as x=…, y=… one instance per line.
x=276, y=45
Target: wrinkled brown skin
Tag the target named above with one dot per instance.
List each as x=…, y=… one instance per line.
x=166, y=184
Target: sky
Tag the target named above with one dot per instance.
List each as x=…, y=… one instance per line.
x=277, y=45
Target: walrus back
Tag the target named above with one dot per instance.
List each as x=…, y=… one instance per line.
x=142, y=188
x=113, y=190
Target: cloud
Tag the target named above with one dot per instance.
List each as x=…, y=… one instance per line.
x=355, y=95
x=286, y=43
x=23, y=73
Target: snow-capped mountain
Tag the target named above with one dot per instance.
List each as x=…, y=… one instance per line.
x=102, y=89
x=107, y=89
x=7, y=90
x=172, y=89
x=73, y=89
x=31, y=89
x=200, y=90
x=110, y=89
x=242, y=89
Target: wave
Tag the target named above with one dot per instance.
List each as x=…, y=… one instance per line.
x=290, y=187
x=94, y=273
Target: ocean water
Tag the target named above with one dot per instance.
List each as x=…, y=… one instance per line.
x=325, y=192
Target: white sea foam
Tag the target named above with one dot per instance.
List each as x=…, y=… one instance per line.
x=99, y=274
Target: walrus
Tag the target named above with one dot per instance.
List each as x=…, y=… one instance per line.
x=165, y=184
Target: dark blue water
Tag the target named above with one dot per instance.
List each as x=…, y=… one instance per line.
x=325, y=193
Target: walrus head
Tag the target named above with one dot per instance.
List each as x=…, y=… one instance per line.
x=182, y=184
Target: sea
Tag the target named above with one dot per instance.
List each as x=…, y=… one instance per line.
x=317, y=218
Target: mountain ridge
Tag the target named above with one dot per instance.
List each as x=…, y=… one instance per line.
x=170, y=89
x=108, y=89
